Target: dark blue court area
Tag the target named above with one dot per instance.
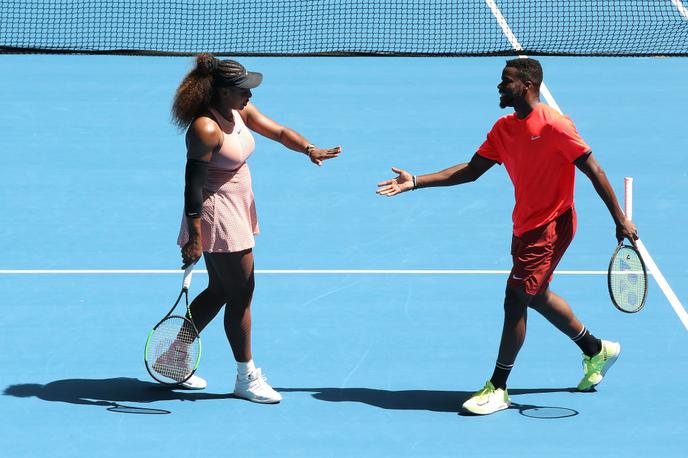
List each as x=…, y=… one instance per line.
x=369, y=363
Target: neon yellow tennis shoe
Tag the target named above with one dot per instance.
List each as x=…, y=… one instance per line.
x=488, y=400
x=596, y=367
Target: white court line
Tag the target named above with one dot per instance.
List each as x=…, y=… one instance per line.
x=549, y=98
x=517, y=46
x=504, y=25
x=681, y=9
x=663, y=284
x=287, y=272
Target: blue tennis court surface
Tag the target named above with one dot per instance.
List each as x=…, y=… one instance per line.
x=368, y=364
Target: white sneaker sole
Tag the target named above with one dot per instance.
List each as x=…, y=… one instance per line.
x=257, y=400
x=498, y=409
x=200, y=384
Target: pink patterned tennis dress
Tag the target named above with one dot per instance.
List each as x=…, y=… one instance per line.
x=228, y=218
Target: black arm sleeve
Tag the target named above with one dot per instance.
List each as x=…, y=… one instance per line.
x=196, y=172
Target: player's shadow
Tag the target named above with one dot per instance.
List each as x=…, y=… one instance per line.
x=436, y=401
x=109, y=392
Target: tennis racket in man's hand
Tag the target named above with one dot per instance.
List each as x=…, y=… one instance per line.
x=627, y=279
x=173, y=347
x=627, y=274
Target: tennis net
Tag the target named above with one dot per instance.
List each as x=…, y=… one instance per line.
x=345, y=27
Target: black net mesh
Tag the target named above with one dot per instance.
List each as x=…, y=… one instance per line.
x=346, y=27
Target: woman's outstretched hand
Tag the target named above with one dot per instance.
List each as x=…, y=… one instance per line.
x=318, y=155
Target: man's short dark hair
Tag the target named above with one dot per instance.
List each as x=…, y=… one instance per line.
x=528, y=69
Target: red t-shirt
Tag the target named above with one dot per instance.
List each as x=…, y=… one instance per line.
x=538, y=153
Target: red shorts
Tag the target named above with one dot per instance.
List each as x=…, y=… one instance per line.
x=536, y=253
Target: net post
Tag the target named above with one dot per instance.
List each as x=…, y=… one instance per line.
x=628, y=197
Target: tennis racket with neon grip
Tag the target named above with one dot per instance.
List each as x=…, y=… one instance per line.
x=173, y=347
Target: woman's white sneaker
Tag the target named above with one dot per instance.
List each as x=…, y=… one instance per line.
x=254, y=387
x=194, y=383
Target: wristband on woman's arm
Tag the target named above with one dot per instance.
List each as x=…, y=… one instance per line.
x=308, y=148
x=196, y=173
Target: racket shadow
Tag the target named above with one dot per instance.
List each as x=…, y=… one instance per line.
x=435, y=401
x=109, y=392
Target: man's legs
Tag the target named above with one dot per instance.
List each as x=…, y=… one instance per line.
x=494, y=397
x=558, y=312
x=536, y=254
x=516, y=303
x=598, y=355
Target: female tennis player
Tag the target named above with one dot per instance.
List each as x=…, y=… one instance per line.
x=540, y=149
x=212, y=104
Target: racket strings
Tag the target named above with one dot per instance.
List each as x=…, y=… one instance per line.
x=174, y=349
x=627, y=280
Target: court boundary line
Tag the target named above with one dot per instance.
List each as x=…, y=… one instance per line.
x=663, y=284
x=549, y=98
x=681, y=9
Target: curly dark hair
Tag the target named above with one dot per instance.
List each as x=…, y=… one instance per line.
x=197, y=90
x=528, y=69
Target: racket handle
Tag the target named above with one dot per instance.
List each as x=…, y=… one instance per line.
x=187, y=277
x=628, y=198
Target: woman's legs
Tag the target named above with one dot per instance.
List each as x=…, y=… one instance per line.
x=208, y=303
x=235, y=276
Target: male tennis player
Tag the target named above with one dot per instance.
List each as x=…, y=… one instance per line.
x=539, y=148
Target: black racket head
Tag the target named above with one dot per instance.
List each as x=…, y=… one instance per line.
x=627, y=279
x=173, y=350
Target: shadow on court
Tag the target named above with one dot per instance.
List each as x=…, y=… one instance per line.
x=112, y=391
x=107, y=392
x=435, y=401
